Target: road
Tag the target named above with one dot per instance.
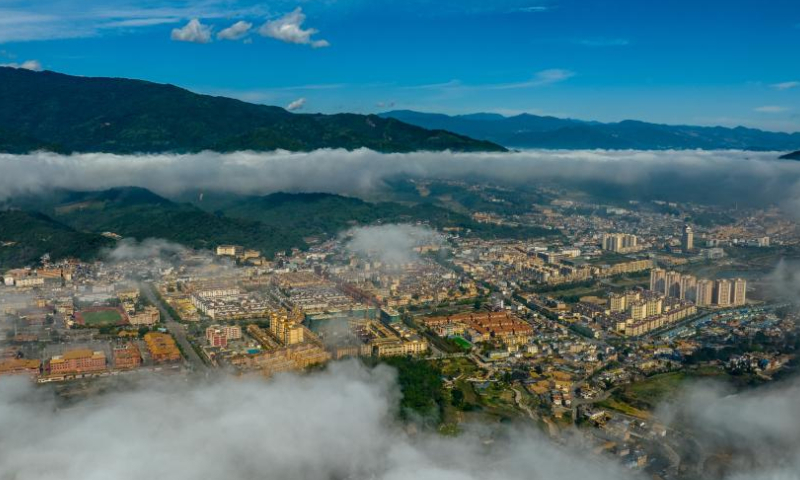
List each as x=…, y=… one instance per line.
x=176, y=329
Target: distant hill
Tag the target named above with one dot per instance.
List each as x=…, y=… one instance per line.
x=53, y=111
x=26, y=236
x=791, y=156
x=327, y=214
x=532, y=131
x=71, y=221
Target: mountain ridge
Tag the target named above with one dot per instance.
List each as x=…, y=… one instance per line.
x=63, y=113
x=533, y=131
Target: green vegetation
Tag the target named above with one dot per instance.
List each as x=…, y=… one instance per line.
x=321, y=213
x=462, y=343
x=102, y=317
x=26, y=236
x=615, y=404
x=647, y=394
x=48, y=110
x=271, y=224
x=421, y=384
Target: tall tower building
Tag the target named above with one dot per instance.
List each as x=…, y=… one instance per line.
x=739, y=292
x=723, y=293
x=688, y=288
x=658, y=279
x=673, y=285
x=704, y=293
x=687, y=242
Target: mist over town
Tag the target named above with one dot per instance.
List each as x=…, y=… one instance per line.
x=399, y=240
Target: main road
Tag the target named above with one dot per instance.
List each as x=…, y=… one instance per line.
x=176, y=329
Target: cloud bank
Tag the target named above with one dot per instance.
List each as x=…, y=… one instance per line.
x=754, y=435
x=335, y=424
x=703, y=176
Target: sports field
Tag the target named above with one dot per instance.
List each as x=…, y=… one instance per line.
x=101, y=317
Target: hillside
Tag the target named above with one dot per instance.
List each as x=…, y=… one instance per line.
x=270, y=223
x=791, y=156
x=53, y=111
x=26, y=236
x=327, y=214
x=532, y=131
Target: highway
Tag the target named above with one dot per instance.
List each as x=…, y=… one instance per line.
x=176, y=329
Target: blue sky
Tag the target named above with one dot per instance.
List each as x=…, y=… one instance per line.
x=710, y=62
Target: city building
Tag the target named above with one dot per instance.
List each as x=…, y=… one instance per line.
x=77, y=361
x=722, y=292
x=687, y=240
x=127, y=357
x=20, y=366
x=219, y=335
x=148, y=316
x=230, y=251
x=739, y=294
x=162, y=347
x=619, y=242
x=704, y=293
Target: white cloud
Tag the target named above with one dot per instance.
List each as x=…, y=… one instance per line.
x=34, y=65
x=194, y=32
x=747, y=176
x=26, y=20
x=141, y=22
x=532, y=9
x=785, y=85
x=236, y=31
x=241, y=429
x=393, y=244
x=289, y=29
x=297, y=104
x=771, y=109
x=542, y=78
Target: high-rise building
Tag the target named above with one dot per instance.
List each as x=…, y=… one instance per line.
x=739, y=292
x=617, y=302
x=619, y=242
x=658, y=279
x=287, y=327
x=638, y=310
x=722, y=292
x=654, y=306
x=687, y=242
x=673, y=285
x=704, y=293
x=688, y=288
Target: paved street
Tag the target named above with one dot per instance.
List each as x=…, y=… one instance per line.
x=176, y=329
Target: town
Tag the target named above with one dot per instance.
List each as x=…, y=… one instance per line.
x=591, y=327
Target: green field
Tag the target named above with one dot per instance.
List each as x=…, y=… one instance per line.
x=462, y=343
x=103, y=317
x=665, y=387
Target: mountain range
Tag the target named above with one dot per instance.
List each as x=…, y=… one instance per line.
x=791, y=156
x=533, y=131
x=63, y=113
